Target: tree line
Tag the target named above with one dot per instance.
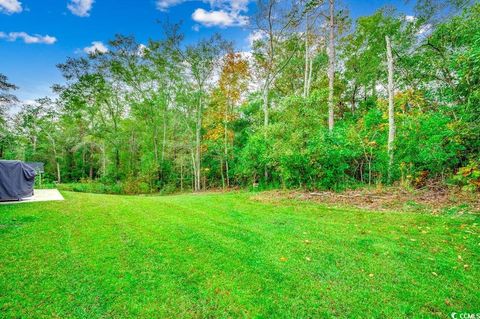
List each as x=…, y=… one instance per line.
x=320, y=101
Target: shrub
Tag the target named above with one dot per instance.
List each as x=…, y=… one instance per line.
x=469, y=176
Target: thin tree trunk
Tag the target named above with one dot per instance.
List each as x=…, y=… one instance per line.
x=83, y=160
x=266, y=119
x=181, y=176
x=198, y=184
x=155, y=143
x=305, y=83
x=221, y=172
x=354, y=98
x=57, y=164
x=227, y=171
x=391, y=110
x=369, y=171
x=117, y=163
x=164, y=141
x=59, y=175
x=309, y=82
x=104, y=160
x=266, y=90
x=226, y=147
x=194, y=179
x=331, y=68
x=90, y=175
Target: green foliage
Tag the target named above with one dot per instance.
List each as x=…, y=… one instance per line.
x=428, y=142
x=469, y=176
x=129, y=186
x=144, y=119
x=91, y=187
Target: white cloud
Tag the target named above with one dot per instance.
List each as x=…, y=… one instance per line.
x=247, y=55
x=410, y=18
x=222, y=13
x=142, y=49
x=164, y=5
x=236, y=5
x=425, y=30
x=80, y=8
x=27, y=38
x=10, y=6
x=29, y=102
x=196, y=27
x=219, y=18
x=255, y=36
x=96, y=47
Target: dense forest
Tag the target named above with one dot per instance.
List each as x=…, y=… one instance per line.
x=322, y=101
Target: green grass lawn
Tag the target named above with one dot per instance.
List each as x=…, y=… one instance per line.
x=227, y=255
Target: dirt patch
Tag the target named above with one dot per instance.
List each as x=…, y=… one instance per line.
x=431, y=200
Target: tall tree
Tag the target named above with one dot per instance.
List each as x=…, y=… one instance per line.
x=202, y=59
x=232, y=83
x=391, y=110
x=6, y=99
x=331, y=65
x=275, y=20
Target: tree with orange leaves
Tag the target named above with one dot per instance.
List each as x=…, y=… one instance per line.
x=233, y=82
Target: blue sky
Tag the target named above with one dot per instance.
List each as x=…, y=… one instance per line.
x=35, y=35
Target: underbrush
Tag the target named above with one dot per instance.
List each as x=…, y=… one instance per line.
x=92, y=187
x=119, y=188
x=445, y=201
x=434, y=198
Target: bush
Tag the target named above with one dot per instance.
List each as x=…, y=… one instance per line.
x=92, y=187
x=469, y=176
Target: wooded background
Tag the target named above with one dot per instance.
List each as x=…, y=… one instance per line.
x=321, y=102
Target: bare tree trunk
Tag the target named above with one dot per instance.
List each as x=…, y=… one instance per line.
x=226, y=148
x=265, y=119
x=331, y=67
x=59, y=175
x=57, y=164
x=221, y=172
x=305, y=83
x=266, y=90
x=309, y=82
x=117, y=163
x=90, y=175
x=104, y=160
x=83, y=160
x=354, y=98
x=155, y=143
x=198, y=151
x=164, y=142
x=181, y=176
x=194, y=180
x=227, y=171
x=391, y=110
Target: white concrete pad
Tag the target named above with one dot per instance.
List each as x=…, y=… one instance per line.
x=40, y=195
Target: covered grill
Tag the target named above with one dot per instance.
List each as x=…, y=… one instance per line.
x=16, y=180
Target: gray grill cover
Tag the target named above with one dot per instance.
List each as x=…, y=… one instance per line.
x=16, y=180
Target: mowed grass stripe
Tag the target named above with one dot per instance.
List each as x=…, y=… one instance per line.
x=227, y=255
